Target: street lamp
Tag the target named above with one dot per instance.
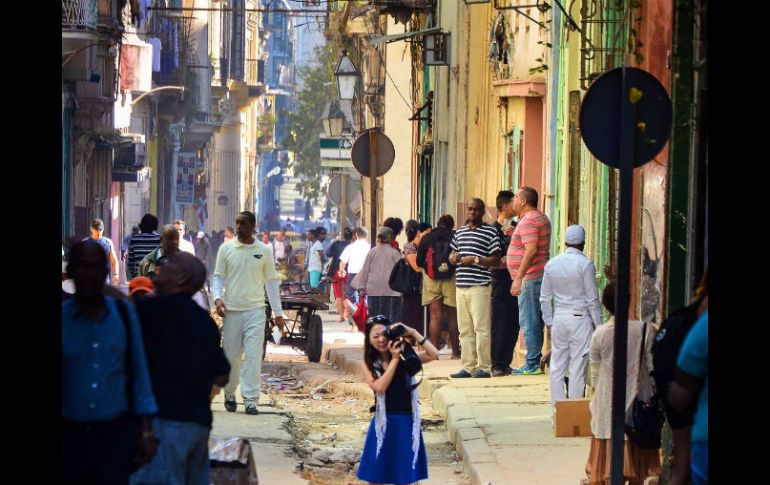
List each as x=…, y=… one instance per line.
x=333, y=119
x=346, y=74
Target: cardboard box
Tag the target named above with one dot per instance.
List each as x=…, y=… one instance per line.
x=572, y=418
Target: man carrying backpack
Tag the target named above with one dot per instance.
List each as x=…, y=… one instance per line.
x=665, y=350
x=438, y=282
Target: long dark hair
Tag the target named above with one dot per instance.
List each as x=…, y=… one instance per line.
x=411, y=228
x=372, y=357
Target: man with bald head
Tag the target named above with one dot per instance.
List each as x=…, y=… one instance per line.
x=169, y=244
x=105, y=379
x=187, y=366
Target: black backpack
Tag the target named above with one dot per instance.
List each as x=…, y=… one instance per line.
x=437, y=262
x=668, y=341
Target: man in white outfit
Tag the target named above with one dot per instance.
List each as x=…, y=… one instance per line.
x=245, y=270
x=569, y=301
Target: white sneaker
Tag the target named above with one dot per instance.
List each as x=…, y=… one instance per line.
x=445, y=350
x=277, y=335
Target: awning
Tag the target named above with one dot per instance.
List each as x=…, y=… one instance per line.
x=387, y=39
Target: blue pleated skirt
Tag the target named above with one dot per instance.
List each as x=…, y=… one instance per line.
x=394, y=464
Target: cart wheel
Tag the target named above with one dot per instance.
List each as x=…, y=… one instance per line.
x=314, y=339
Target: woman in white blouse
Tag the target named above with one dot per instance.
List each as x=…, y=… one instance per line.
x=638, y=463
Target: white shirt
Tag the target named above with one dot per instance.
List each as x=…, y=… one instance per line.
x=569, y=284
x=279, y=249
x=355, y=255
x=315, y=263
x=186, y=246
x=245, y=272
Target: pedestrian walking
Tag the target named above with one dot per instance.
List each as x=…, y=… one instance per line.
x=527, y=255
x=97, y=235
x=338, y=282
x=185, y=363
x=169, y=244
x=351, y=261
x=107, y=398
x=373, y=277
x=184, y=244
x=142, y=244
x=569, y=302
x=394, y=450
x=245, y=272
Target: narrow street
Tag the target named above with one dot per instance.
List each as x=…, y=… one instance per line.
x=314, y=417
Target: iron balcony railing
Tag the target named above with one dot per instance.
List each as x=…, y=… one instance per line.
x=79, y=15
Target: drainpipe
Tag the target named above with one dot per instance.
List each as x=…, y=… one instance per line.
x=554, y=107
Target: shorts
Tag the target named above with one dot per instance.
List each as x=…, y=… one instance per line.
x=433, y=290
x=337, y=286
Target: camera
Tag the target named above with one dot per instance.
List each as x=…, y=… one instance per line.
x=408, y=355
x=394, y=333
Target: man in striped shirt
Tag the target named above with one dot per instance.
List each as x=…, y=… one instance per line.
x=475, y=248
x=142, y=244
x=527, y=255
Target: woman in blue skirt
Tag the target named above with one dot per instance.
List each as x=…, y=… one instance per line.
x=394, y=452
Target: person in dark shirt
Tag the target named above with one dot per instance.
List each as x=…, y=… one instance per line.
x=142, y=244
x=185, y=362
x=505, y=307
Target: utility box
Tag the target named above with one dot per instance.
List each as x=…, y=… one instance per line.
x=572, y=418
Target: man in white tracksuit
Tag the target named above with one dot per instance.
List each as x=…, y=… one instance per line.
x=244, y=272
x=569, y=301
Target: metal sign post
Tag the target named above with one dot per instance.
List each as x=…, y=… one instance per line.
x=373, y=186
x=625, y=121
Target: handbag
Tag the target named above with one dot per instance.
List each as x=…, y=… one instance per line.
x=361, y=314
x=644, y=426
x=404, y=279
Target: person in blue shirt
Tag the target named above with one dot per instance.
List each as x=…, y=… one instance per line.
x=690, y=393
x=105, y=379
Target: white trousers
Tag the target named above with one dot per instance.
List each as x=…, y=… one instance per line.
x=243, y=334
x=570, y=345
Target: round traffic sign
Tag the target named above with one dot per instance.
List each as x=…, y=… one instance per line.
x=600, y=114
x=386, y=153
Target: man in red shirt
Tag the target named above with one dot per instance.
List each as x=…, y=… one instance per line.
x=527, y=255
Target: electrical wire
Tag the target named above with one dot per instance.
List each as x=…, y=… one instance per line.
x=384, y=66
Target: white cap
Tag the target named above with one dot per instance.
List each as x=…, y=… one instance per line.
x=575, y=234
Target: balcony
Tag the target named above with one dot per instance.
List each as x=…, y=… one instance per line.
x=79, y=17
x=402, y=10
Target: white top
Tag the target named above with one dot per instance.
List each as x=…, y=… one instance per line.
x=315, y=263
x=279, y=249
x=186, y=246
x=601, y=360
x=246, y=271
x=355, y=255
x=569, y=284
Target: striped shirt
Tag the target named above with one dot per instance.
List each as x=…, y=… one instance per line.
x=140, y=246
x=482, y=242
x=534, y=226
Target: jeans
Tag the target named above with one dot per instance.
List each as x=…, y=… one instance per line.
x=531, y=320
x=699, y=462
x=98, y=453
x=182, y=457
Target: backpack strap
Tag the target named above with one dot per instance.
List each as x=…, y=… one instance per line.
x=129, y=369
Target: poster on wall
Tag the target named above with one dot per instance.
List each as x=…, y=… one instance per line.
x=185, y=177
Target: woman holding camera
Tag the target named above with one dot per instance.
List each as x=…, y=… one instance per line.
x=394, y=451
